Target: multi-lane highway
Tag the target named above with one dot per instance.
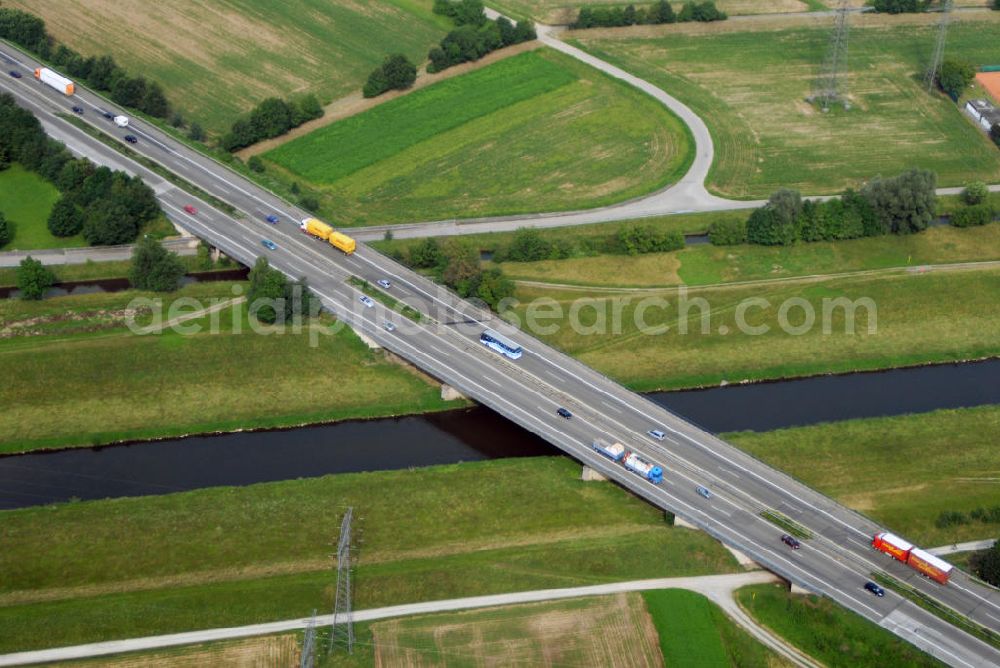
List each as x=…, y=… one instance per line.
x=836, y=562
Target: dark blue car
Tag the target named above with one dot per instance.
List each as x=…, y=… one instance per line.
x=15, y=74
x=271, y=218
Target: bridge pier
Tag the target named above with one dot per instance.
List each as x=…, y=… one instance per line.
x=796, y=589
x=367, y=340
x=591, y=475
x=215, y=254
x=449, y=393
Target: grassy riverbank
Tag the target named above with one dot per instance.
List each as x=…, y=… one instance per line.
x=826, y=632
x=226, y=556
x=904, y=318
x=904, y=471
x=77, y=376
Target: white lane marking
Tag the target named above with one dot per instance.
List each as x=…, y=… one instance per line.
x=610, y=407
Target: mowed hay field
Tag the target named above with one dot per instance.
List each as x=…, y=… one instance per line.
x=917, y=319
x=535, y=132
x=879, y=466
x=218, y=58
x=260, y=651
x=613, y=631
x=749, y=80
x=559, y=12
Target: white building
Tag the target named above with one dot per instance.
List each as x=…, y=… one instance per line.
x=984, y=113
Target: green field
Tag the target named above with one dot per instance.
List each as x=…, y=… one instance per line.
x=919, y=320
x=590, y=631
x=226, y=556
x=81, y=378
x=218, y=59
x=748, y=82
x=826, y=632
x=695, y=633
x=26, y=200
x=879, y=467
x=503, y=139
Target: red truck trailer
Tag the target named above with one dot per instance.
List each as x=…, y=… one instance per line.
x=917, y=559
x=925, y=562
x=892, y=545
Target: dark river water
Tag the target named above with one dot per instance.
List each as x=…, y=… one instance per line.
x=463, y=435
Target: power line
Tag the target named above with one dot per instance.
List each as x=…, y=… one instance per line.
x=831, y=85
x=342, y=627
x=308, y=658
x=942, y=34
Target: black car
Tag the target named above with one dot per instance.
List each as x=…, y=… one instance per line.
x=562, y=412
x=108, y=115
x=875, y=589
x=77, y=110
x=790, y=541
x=15, y=74
x=131, y=139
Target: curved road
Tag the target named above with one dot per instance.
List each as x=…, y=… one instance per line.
x=686, y=196
x=718, y=588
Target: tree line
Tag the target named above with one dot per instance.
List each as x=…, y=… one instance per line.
x=271, y=118
x=395, y=73
x=101, y=73
x=475, y=35
x=901, y=204
x=456, y=263
x=531, y=245
x=272, y=298
x=107, y=207
x=659, y=13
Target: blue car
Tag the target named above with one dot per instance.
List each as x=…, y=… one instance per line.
x=271, y=218
x=268, y=244
x=15, y=74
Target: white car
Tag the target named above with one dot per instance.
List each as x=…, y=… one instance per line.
x=367, y=301
x=384, y=282
x=657, y=434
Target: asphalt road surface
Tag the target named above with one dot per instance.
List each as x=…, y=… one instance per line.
x=836, y=562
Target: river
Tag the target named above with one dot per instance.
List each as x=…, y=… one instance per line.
x=464, y=435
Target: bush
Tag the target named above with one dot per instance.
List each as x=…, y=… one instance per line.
x=975, y=193
x=955, y=76
x=426, y=254
x=309, y=203
x=196, y=132
x=471, y=42
x=731, y=232
x=271, y=118
x=900, y=6
x=776, y=223
x=154, y=268
x=528, y=246
x=255, y=164
x=33, y=278
x=397, y=72
x=987, y=565
x=971, y=216
x=66, y=218
x=949, y=518
x=641, y=239
x=903, y=204
x=5, y=235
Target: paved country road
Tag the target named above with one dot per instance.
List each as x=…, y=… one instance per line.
x=718, y=588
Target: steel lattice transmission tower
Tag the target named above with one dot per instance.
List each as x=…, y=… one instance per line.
x=831, y=84
x=342, y=627
x=308, y=659
x=942, y=34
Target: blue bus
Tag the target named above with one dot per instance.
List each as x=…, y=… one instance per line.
x=500, y=343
